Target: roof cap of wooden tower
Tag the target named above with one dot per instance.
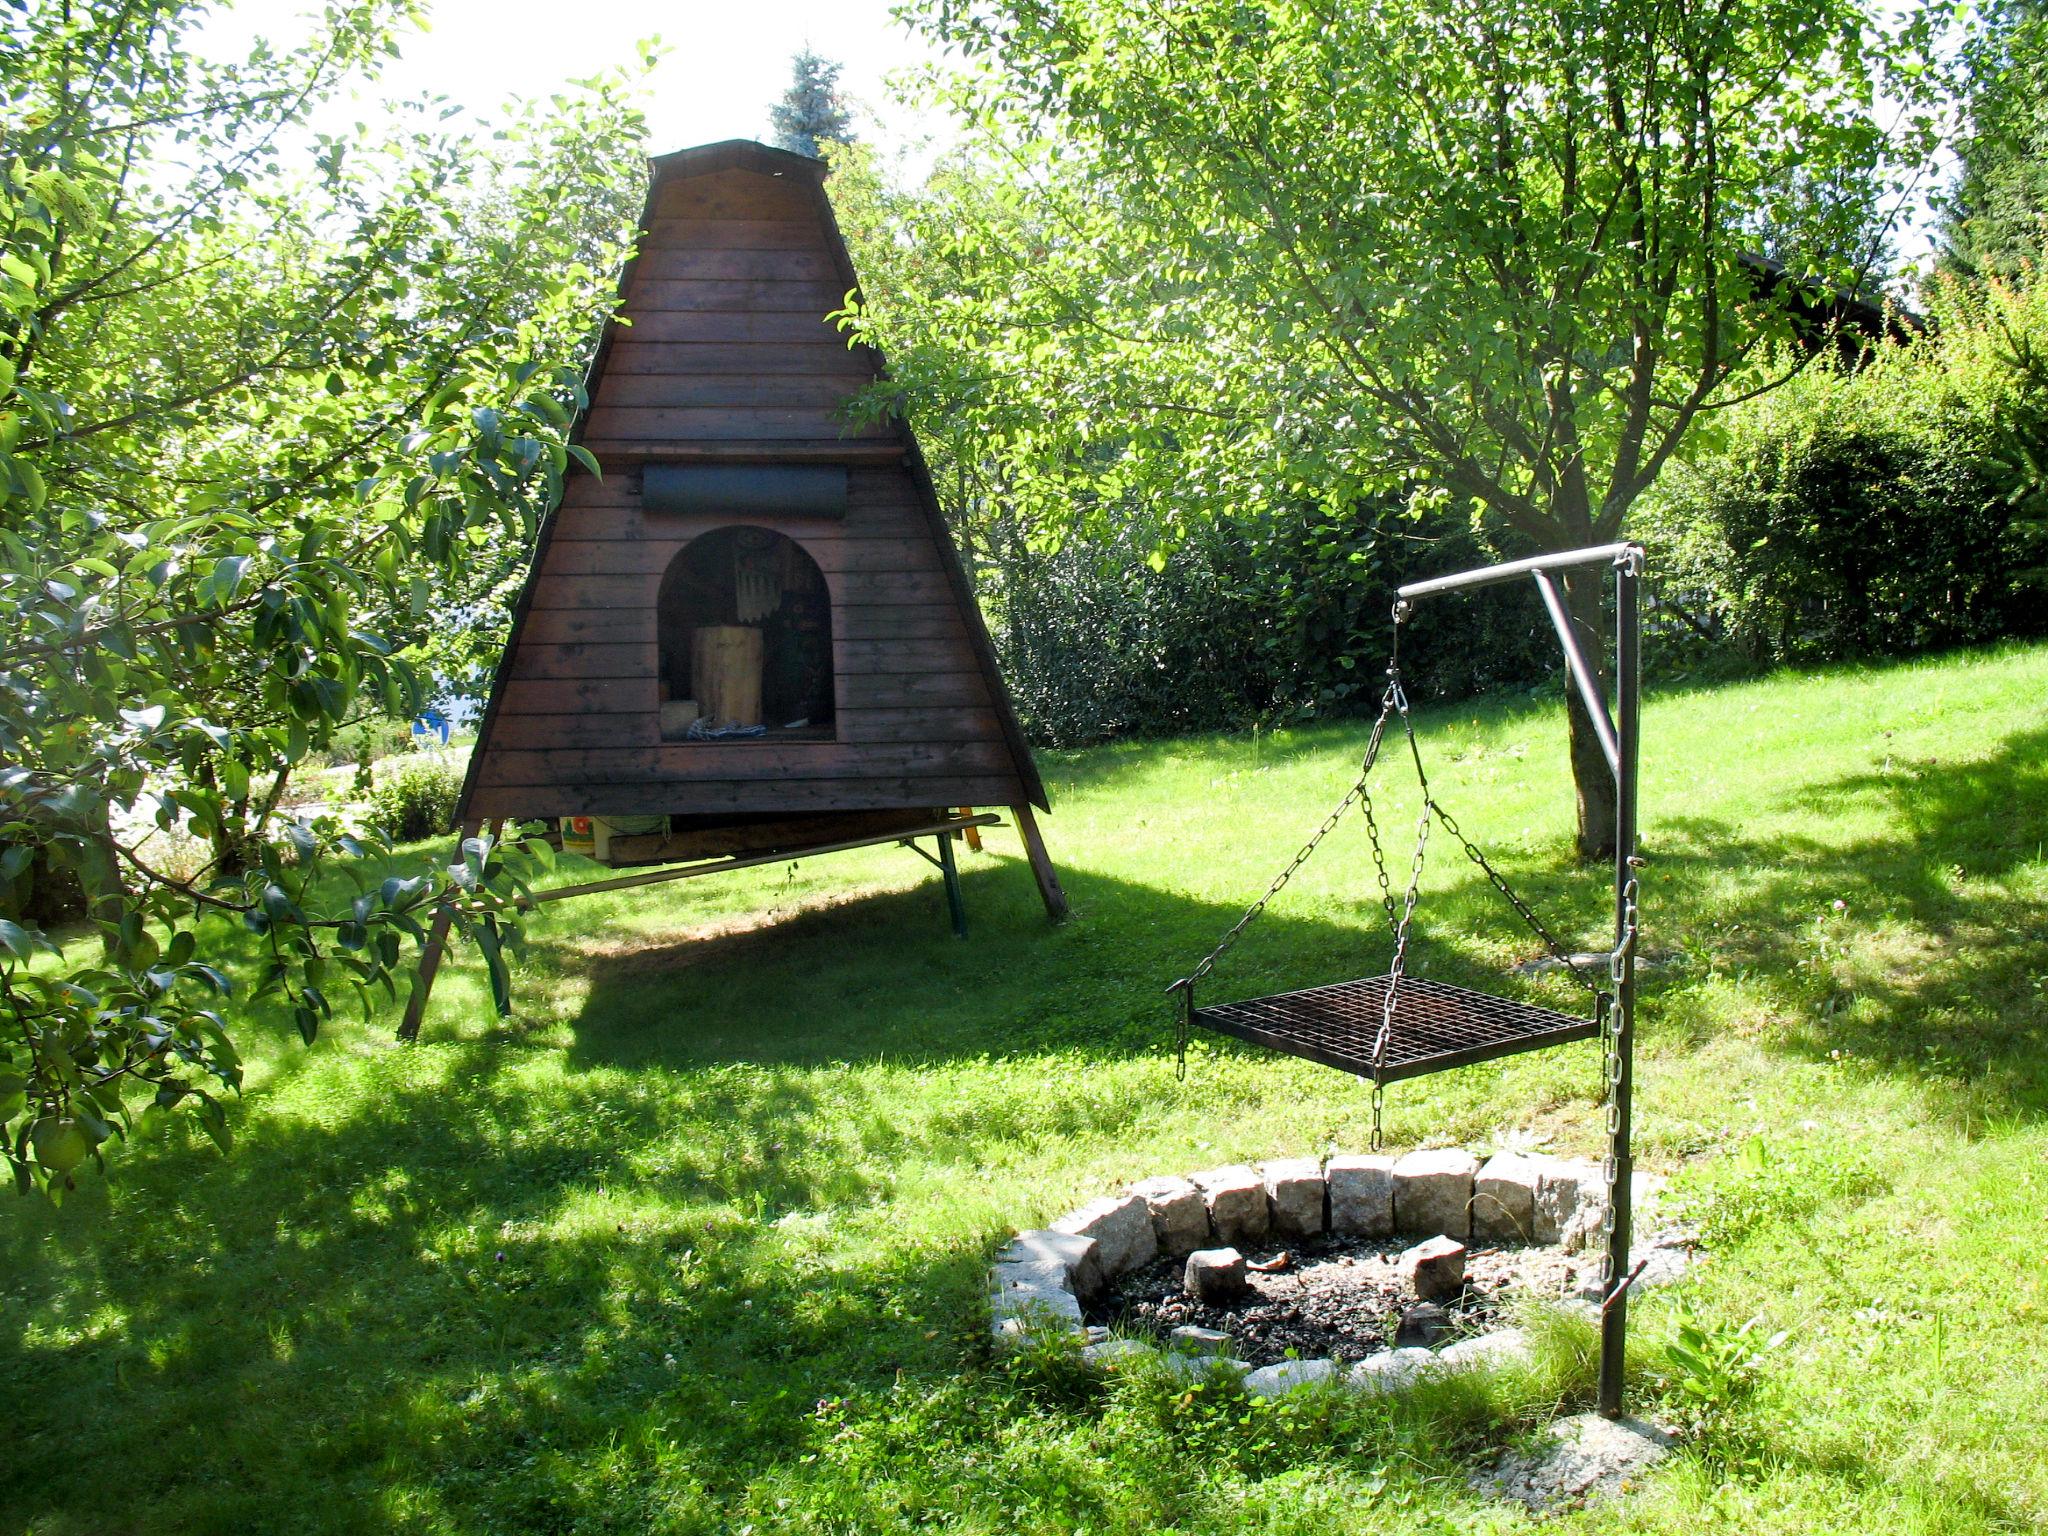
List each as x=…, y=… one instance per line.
x=740, y=155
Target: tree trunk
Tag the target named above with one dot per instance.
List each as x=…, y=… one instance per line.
x=1592, y=779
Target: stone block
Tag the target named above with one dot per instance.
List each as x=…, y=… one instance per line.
x=1202, y=1367
x=1237, y=1203
x=1392, y=1369
x=1489, y=1351
x=1272, y=1380
x=1422, y=1324
x=1216, y=1275
x=1561, y=1187
x=1433, y=1268
x=1025, y=1311
x=1048, y=1272
x=1433, y=1194
x=1294, y=1196
x=1080, y=1257
x=1121, y=1225
x=1112, y=1353
x=1504, y=1199
x=1199, y=1341
x=1361, y=1195
x=1586, y=1458
x=1180, y=1216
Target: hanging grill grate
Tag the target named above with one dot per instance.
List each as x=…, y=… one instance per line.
x=1435, y=1027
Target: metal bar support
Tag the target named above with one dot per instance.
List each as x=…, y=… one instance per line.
x=747, y=861
x=1581, y=670
x=951, y=871
x=1628, y=569
x=1488, y=575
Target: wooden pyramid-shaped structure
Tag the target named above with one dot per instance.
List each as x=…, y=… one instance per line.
x=754, y=627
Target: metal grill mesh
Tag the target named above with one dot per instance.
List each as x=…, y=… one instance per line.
x=1436, y=1027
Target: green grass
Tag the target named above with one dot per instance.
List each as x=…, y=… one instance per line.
x=694, y=1241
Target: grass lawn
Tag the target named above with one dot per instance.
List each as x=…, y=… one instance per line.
x=694, y=1242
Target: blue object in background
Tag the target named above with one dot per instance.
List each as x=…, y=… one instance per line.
x=432, y=723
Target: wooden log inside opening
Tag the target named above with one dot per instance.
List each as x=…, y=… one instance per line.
x=725, y=673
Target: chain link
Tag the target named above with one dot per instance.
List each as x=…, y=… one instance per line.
x=1528, y=914
x=1356, y=793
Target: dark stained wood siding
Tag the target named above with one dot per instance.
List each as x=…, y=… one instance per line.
x=728, y=349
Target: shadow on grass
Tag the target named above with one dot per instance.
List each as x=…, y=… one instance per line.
x=1952, y=987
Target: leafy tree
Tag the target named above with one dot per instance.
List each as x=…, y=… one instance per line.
x=1993, y=222
x=811, y=113
x=255, y=417
x=1489, y=253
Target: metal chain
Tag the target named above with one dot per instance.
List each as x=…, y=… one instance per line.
x=1351, y=796
x=1398, y=967
x=1610, y=1074
x=1528, y=914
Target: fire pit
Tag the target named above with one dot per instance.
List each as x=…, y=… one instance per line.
x=1367, y=1269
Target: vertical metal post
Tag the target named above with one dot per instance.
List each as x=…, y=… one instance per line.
x=952, y=873
x=1620, y=1162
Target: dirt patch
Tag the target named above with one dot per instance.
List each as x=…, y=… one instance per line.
x=1339, y=1299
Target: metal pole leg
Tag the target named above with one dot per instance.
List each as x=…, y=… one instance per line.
x=952, y=873
x=1621, y=1083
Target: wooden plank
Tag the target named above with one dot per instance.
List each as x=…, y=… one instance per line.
x=869, y=587
x=900, y=656
x=617, y=696
x=966, y=723
x=627, y=520
x=531, y=733
x=583, y=626
x=652, y=552
x=642, y=589
x=710, y=295
x=784, y=796
x=541, y=732
x=912, y=690
x=634, y=659
x=753, y=424
x=798, y=325
x=733, y=194
x=678, y=763
x=542, y=659
x=622, y=456
x=898, y=621
x=736, y=266
x=631, y=354
x=824, y=390
x=696, y=234
x=586, y=592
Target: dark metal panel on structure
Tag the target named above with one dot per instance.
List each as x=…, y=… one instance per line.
x=732, y=490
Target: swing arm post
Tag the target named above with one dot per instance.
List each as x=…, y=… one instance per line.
x=1621, y=1087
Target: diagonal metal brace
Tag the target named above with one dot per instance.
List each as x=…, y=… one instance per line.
x=1582, y=672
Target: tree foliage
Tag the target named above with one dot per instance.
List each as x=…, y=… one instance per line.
x=1493, y=254
x=811, y=113
x=259, y=409
x=1992, y=225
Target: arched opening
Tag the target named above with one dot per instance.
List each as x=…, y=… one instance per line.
x=745, y=626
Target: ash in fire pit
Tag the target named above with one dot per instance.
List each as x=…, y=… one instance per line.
x=1336, y=1298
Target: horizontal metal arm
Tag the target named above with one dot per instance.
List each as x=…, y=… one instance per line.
x=1488, y=575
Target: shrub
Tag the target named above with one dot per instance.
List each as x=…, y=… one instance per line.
x=1874, y=511
x=418, y=799
x=1255, y=622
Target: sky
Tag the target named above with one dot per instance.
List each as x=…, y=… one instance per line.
x=727, y=60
